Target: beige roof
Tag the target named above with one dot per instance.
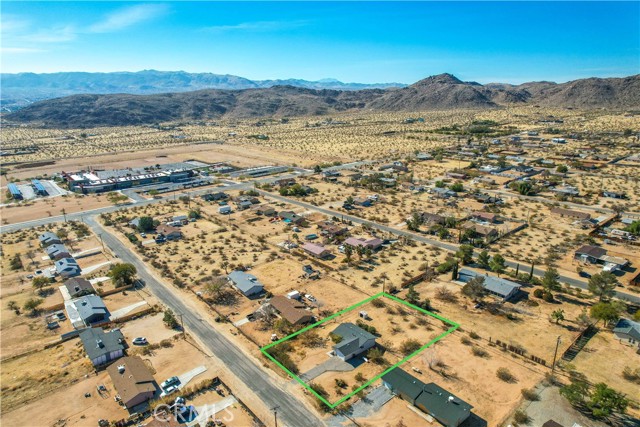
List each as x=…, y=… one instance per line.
x=291, y=310
x=136, y=378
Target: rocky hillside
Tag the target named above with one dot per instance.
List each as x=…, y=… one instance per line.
x=437, y=92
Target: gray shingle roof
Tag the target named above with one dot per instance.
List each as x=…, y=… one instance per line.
x=97, y=342
x=90, y=305
x=493, y=284
x=353, y=337
x=628, y=327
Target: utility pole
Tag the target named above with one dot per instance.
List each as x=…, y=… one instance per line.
x=101, y=241
x=184, y=333
x=275, y=414
x=553, y=367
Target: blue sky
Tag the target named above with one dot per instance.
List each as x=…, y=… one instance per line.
x=353, y=42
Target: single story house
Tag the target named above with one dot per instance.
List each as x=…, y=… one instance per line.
x=86, y=310
x=361, y=201
x=330, y=229
x=246, y=283
x=291, y=217
x=134, y=223
x=443, y=193
x=432, y=219
x=214, y=197
x=571, y=213
x=291, y=310
x=316, y=250
x=169, y=232
x=485, y=216
x=487, y=199
x=372, y=244
x=133, y=381
x=102, y=347
x=265, y=210
x=589, y=253
x=614, y=194
x=78, y=287
x=67, y=267
x=242, y=205
x=430, y=398
x=355, y=341
x=48, y=238
x=496, y=286
x=487, y=233
x=456, y=175
x=285, y=182
x=567, y=189
x=57, y=251
x=627, y=330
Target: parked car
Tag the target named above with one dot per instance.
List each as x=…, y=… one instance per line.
x=143, y=234
x=173, y=381
x=169, y=390
x=311, y=236
x=140, y=341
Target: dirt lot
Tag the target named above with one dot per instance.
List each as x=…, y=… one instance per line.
x=43, y=208
x=531, y=328
x=603, y=359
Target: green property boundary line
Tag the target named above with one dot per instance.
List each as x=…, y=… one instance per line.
x=453, y=327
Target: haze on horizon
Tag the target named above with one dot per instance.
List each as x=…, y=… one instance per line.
x=352, y=42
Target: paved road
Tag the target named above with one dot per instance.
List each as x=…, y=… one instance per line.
x=291, y=410
x=443, y=245
x=139, y=201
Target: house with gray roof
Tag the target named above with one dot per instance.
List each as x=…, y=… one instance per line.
x=77, y=287
x=67, y=267
x=102, y=347
x=355, y=341
x=246, y=283
x=86, y=311
x=496, y=286
x=57, y=251
x=627, y=330
x=48, y=238
x=448, y=409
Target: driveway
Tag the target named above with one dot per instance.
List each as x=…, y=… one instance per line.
x=363, y=408
x=209, y=410
x=334, y=364
x=126, y=310
x=188, y=376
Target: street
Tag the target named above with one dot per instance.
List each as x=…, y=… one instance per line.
x=291, y=410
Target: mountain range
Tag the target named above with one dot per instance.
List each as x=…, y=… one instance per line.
x=443, y=91
x=21, y=89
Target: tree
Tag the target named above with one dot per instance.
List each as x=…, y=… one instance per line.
x=606, y=311
x=457, y=187
x=145, y=224
x=502, y=161
x=195, y=214
x=170, y=319
x=562, y=169
x=558, y=315
x=413, y=296
x=348, y=252
x=604, y=401
x=550, y=280
x=439, y=184
x=40, y=282
x=349, y=200
x=32, y=305
x=465, y=254
x=522, y=187
x=497, y=264
x=483, y=259
x=409, y=346
x=16, y=262
x=603, y=285
x=634, y=228
x=122, y=274
x=225, y=266
x=317, y=169
x=474, y=288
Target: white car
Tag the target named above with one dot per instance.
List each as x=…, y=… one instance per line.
x=169, y=390
x=140, y=341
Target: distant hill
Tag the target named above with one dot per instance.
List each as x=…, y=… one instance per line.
x=19, y=90
x=443, y=91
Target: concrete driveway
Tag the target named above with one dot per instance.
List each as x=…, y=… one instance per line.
x=334, y=364
x=188, y=376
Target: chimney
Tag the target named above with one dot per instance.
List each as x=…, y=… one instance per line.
x=121, y=369
x=100, y=343
x=451, y=399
